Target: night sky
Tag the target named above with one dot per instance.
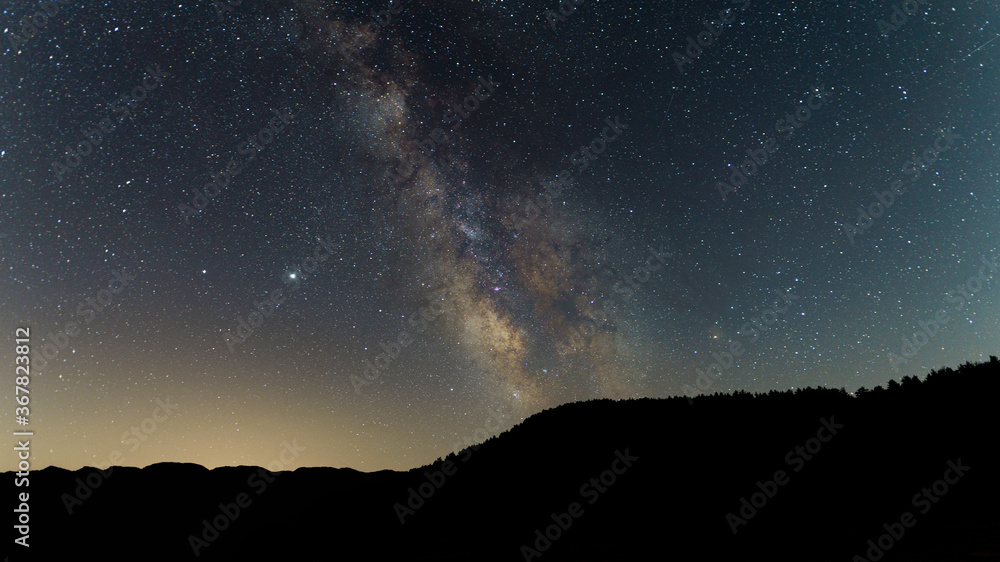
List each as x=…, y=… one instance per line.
x=386, y=234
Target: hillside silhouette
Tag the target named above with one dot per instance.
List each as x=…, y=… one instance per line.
x=852, y=465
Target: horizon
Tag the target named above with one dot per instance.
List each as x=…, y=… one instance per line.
x=468, y=442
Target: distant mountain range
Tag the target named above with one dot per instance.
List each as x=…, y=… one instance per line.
x=909, y=472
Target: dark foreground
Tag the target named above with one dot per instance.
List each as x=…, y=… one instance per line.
x=810, y=475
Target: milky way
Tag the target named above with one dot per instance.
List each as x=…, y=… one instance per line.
x=523, y=283
x=545, y=201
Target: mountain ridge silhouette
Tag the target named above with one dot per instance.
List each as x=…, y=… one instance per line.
x=671, y=480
